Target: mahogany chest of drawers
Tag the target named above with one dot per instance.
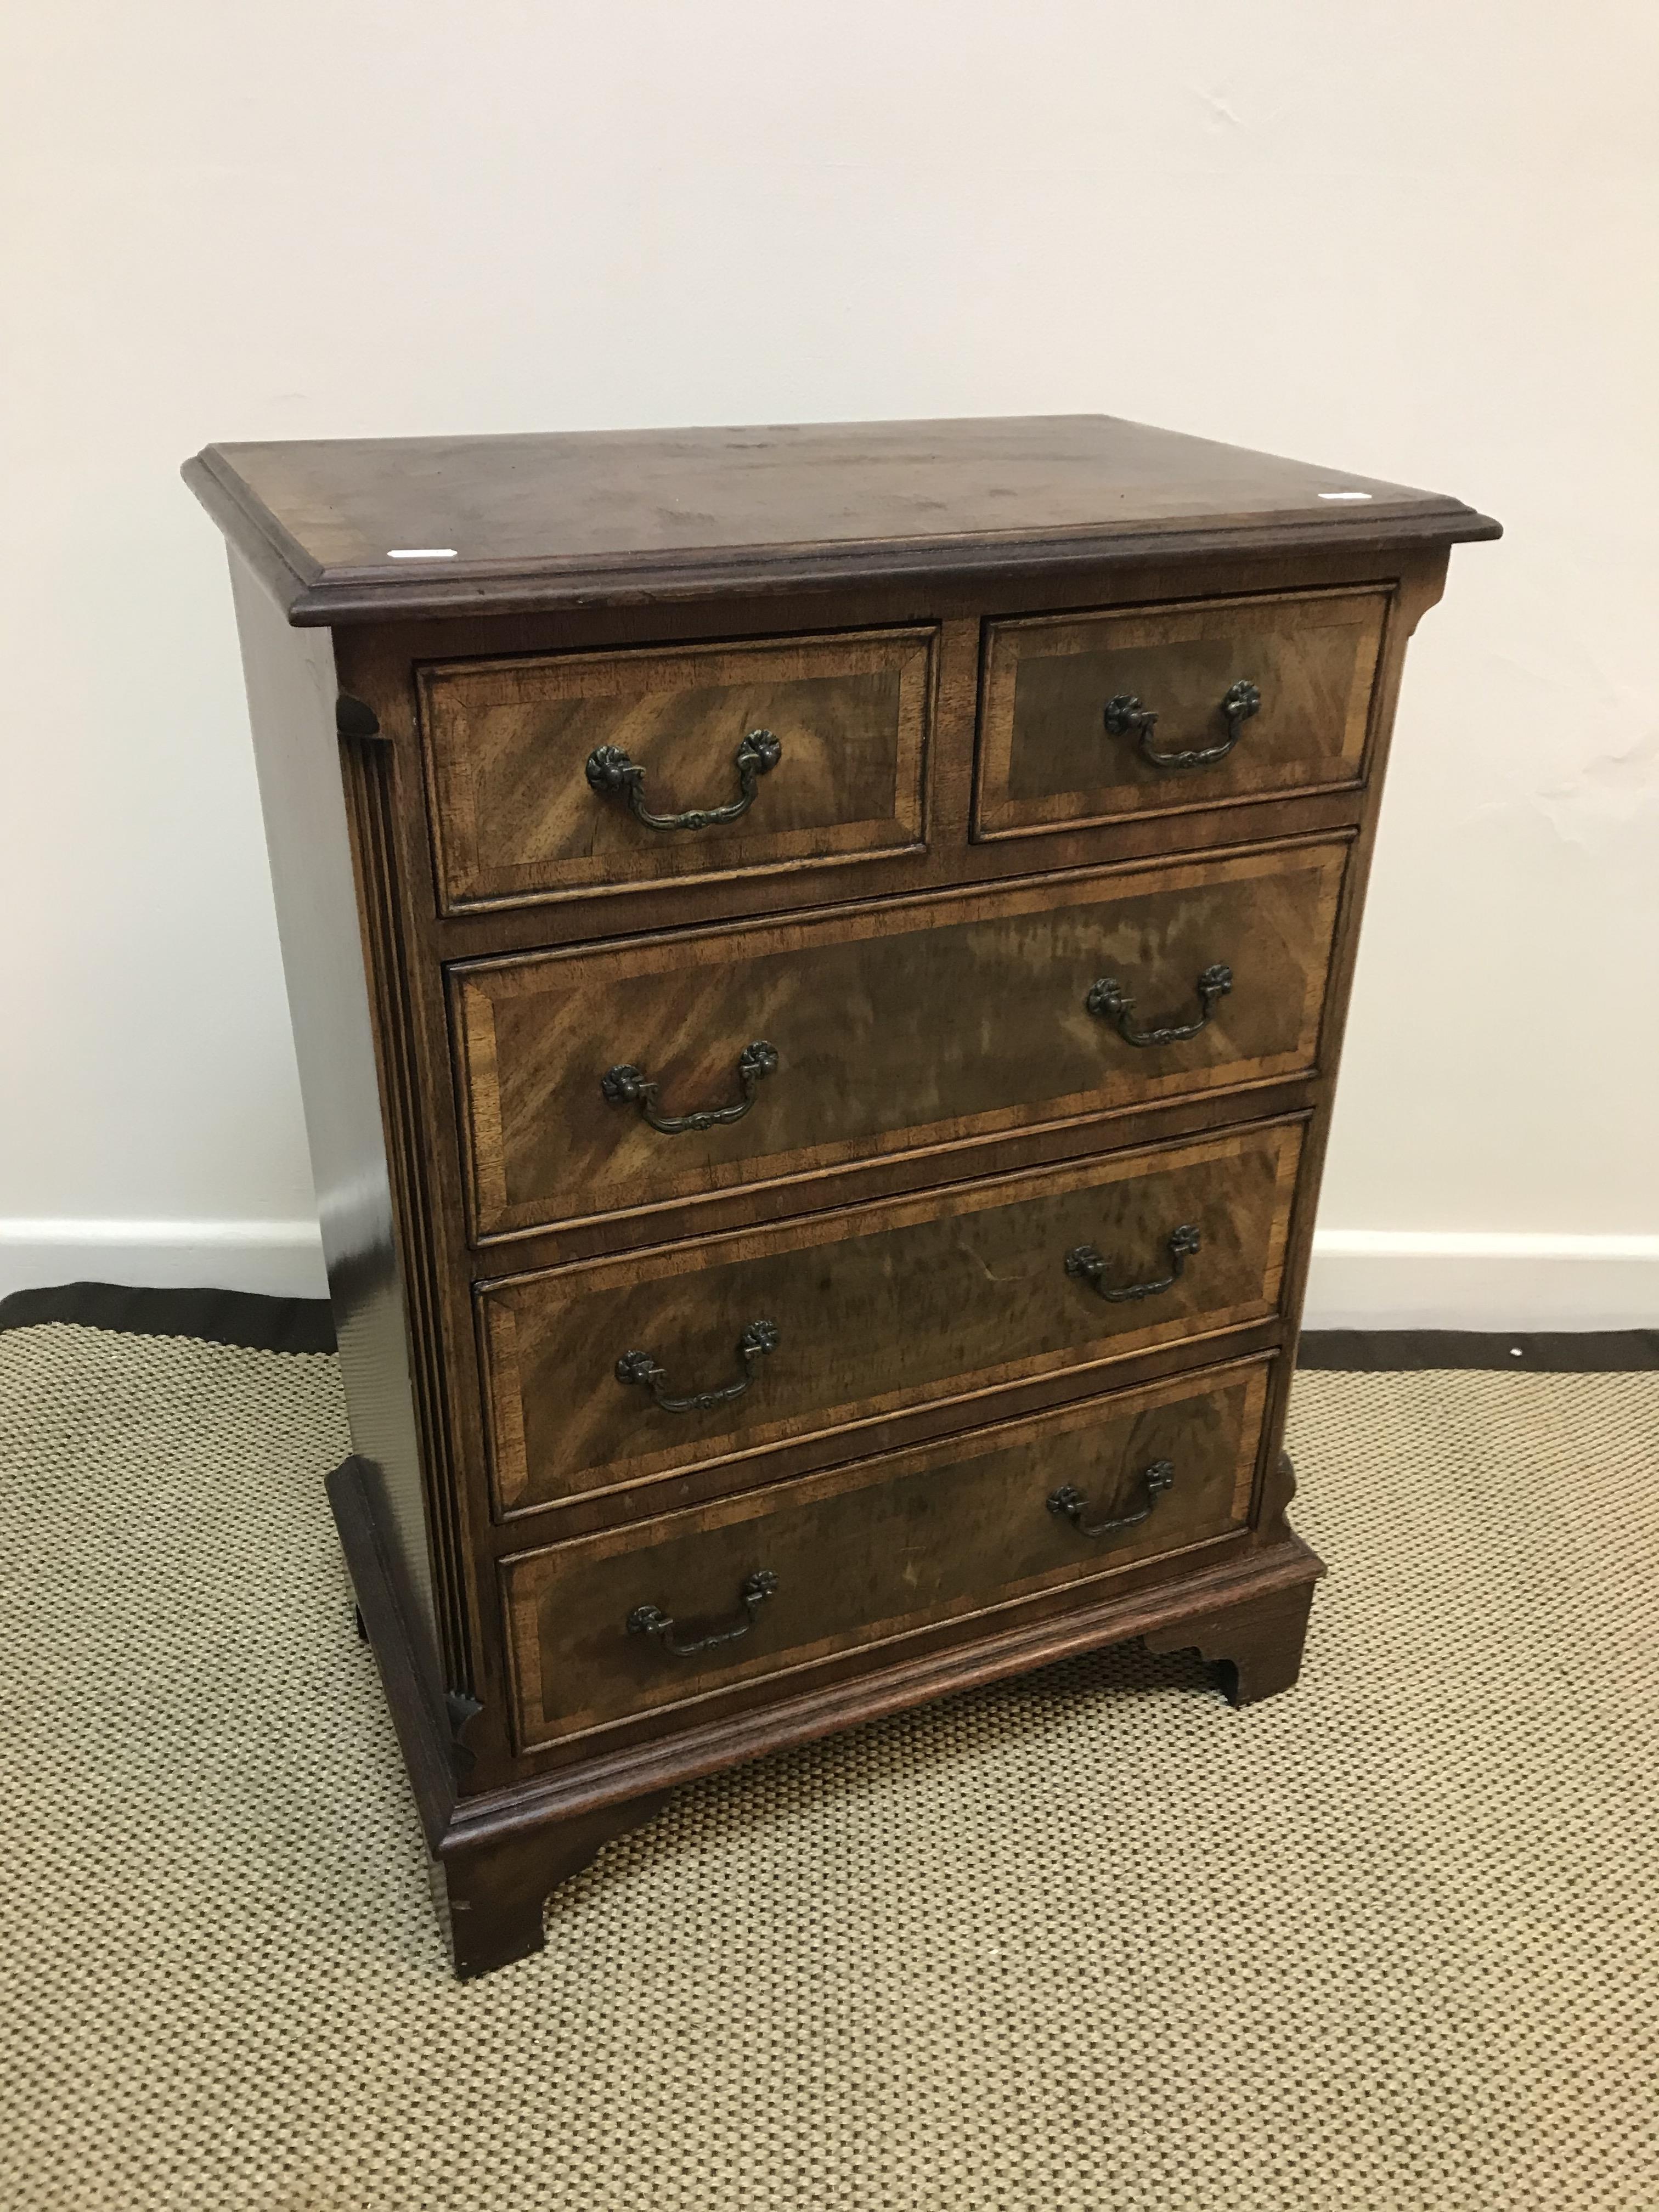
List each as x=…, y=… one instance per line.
x=818, y=957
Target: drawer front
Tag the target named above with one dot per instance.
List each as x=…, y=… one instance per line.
x=521, y=812
x=1053, y=756
x=861, y=1314
x=875, y=1551
x=920, y=1023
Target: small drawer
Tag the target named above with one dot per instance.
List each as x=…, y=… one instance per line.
x=600, y=771
x=1094, y=718
x=625, y=1371
x=646, y=1619
x=631, y=1075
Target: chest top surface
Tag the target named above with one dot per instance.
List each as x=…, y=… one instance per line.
x=375, y=529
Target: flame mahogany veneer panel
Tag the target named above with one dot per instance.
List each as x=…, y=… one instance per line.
x=1048, y=759
x=876, y=1310
x=896, y=1027
x=514, y=818
x=871, y=1552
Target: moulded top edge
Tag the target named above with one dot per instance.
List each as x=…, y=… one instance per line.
x=354, y=531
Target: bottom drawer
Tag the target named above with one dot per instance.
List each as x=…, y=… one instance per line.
x=636, y=1619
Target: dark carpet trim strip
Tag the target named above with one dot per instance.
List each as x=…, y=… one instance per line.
x=1591, y=1352
x=262, y=1324
x=237, y=1317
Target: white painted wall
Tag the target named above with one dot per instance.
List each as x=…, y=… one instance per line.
x=1409, y=238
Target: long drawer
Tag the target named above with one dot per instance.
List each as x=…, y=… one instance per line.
x=773, y=1051
x=632, y=1369
x=634, y=1621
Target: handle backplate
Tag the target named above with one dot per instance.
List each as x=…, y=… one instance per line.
x=652, y=1621
x=640, y=1368
x=627, y=1085
x=611, y=774
x=1086, y=1265
x=1068, y=1503
x=1109, y=1000
x=1127, y=718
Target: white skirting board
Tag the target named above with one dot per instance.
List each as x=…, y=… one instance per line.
x=283, y=1259
x=1466, y=1278
x=1361, y=1279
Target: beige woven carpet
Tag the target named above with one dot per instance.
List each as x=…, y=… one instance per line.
x=1088, y=1939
